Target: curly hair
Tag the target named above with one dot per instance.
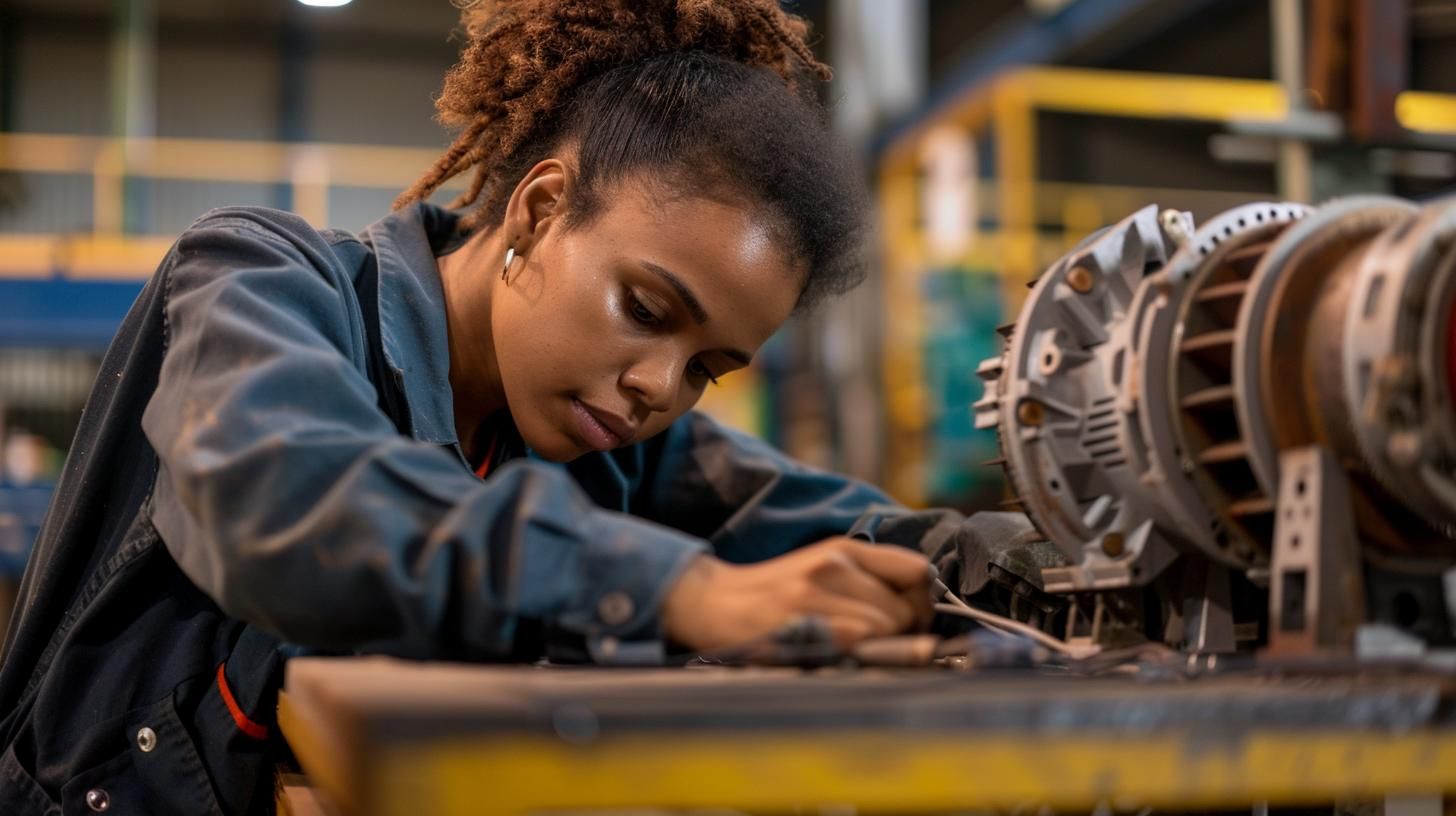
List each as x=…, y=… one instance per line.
x=715, y=97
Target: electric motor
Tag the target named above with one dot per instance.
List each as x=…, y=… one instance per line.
x=1159, y=379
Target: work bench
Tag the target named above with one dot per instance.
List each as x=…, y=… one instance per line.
x=382, y=736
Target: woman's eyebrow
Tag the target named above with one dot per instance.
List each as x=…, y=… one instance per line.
x=695, y=306
x=690, y=300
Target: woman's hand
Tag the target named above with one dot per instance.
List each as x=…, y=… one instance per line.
x=860, y=590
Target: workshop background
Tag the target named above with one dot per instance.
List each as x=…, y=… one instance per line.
x=995, y=134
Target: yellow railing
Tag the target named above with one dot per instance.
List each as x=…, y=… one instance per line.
x=308, y=170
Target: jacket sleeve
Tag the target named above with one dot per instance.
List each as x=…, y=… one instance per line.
x=752, y=502
x=287, y=495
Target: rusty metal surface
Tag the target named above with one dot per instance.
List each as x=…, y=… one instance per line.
x=1379, y=69
x=384, y=737
x=398, y=700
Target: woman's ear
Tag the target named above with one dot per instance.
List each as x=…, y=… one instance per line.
x=535, y=204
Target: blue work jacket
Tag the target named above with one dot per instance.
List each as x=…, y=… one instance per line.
x=268, y=464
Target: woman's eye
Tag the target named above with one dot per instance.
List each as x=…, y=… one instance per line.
x=697, y=369
x=640, y=312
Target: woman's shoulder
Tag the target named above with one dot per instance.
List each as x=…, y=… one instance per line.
x=269, y=223
x=228, y=237
x=268, y=220
x=266, y=268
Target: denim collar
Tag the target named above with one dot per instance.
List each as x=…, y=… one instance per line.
x=412, y=322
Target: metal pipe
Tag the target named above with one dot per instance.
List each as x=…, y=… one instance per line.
x=1293, y=165
x=133, y=107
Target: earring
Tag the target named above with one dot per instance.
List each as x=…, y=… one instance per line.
x=510, y=256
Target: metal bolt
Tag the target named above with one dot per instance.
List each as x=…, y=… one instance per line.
x=1113, y=545
x=1030, y=412
x=1080, y=279
x=1051, y=360
x=1176, y=227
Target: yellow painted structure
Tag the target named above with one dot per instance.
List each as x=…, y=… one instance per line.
x=309, y=170
x=778, y=771
x=462, y=739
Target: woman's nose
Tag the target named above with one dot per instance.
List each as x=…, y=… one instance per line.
x=654, y=381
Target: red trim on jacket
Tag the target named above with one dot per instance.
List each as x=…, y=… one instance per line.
x=247, y=726
x=485, y=464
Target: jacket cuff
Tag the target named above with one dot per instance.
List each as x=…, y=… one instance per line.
x=627, y=568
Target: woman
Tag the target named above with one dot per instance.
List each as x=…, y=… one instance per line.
x=466, y=433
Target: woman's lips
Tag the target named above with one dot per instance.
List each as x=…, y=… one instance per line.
x=593, y=430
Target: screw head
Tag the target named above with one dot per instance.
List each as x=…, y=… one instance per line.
x=1080, y=279
x=1030, y=412
x=1114, y=545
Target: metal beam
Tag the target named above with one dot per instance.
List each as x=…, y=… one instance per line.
x=1293, y=163
x=1044, y=41
x=251, y=35
x=133, y=105
x=1380, y=70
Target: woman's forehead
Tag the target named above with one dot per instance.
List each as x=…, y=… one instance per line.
x=730, y=256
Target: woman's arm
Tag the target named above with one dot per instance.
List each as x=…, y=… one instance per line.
x=752, y=502
x=288, y=496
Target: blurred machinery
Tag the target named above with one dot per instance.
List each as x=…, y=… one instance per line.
x=1242, y=435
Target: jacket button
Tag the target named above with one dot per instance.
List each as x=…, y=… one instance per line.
x=615, y=608
x=146, y=740
x=98, y=800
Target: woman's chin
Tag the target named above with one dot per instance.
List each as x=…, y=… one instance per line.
x=554, y=445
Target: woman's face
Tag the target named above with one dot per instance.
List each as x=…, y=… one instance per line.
x=606, y=333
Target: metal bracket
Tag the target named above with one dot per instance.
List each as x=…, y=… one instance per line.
x=1208, y=619
x=1316, y=599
